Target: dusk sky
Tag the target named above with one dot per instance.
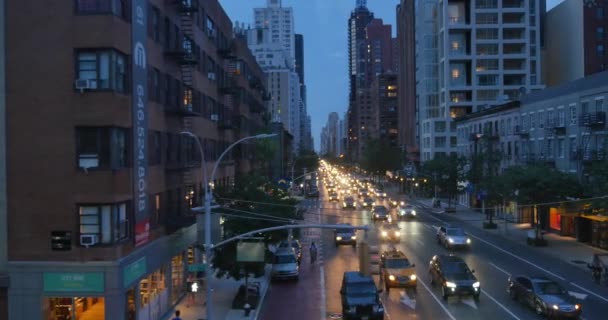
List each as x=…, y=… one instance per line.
x=323, y=24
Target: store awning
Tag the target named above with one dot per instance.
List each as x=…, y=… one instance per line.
x=596, y=218
x=570, y=214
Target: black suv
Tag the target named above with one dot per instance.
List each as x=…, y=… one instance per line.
x=454, y=276
x=360, y=297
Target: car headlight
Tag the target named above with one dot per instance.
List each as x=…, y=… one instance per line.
x=413, y=277
x=450, y=284
x=384, y=194
x=338, y=238
x=397, y=233
x=450, y=240
x=373, y=203
x=413, y=212
x=344, y=204
x=577, y=306
x=377, y=308
x=402, y=203
x=353, y=237
x=476, y=284
x=468, y=241
x=555, y=307
x=384, y=233
x=391, y=277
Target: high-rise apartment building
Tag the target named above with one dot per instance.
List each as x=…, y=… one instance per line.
x=384, y=100
x=407, y=112
x=576, y=39
x=4, y=279
x=470, y=55
x=279, y=20
x=357, y=54
x=97, y=153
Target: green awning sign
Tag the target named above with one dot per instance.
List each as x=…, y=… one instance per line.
x=133, y=271
x=199, y=267
x=73, y=282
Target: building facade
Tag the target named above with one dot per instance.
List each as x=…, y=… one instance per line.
x=4, y=278
x=115, y=180
x=279, y=20
x=488, y=53
x=385, y=96
x=407, y=113
x=576, y=40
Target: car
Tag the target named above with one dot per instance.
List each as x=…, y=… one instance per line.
x=360, y=299
x=333, y=196
x=397, y=271
x=380, y=213
x=454, y=276
x=349, y=203
x=390, y=232
x=406, y=212
x=297, y=247
x=380, y=193
x=285, y=264
x=363, y=192
x=367, y=202
x=451, y=237
x=393, y=203
x=545, y=296
x=345, y=236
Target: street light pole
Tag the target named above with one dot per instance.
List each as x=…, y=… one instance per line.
x=208, y=246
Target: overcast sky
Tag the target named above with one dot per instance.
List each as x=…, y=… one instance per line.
x=323, y=24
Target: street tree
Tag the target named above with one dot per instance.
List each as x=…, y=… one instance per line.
x=379, y=156
x=253, y=193
x=447, y=172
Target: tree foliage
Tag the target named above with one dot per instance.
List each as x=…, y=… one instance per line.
x=447, y=172
x=255, y=193
x=308, y=160
x=597, y=185
x=379, y=156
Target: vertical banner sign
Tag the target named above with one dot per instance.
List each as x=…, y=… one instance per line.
x=140, y=122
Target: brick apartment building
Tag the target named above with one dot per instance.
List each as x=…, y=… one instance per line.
x=99, y=178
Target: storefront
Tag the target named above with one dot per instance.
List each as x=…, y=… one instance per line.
x=137, y=287
x=599, y=230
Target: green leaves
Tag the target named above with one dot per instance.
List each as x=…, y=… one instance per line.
x=379, y=156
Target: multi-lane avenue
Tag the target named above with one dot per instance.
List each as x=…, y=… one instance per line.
x=492, y=258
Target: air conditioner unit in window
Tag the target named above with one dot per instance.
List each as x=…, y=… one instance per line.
x=211, y=76
x=215, y=117
x=88, y=240
x=81, y=84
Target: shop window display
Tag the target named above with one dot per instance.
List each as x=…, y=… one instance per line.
x=78, y=308
x=177, y=277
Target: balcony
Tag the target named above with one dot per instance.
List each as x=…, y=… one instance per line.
x=520, y=131
x=593, y=155
x=555, y=126
x=226, y=51
x=491, y=135
x=183, y=54
x=592, y=119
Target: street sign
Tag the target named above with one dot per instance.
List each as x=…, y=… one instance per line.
x=197, y=267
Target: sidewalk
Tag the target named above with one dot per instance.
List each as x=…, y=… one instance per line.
x=567, y=249
x=224, y=291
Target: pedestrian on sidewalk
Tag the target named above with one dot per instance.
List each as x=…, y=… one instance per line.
x=177, y=317
x=313, y=252
x=191, y=300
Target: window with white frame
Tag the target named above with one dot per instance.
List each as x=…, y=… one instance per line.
x=102, y=147
x=532, y=121
x=599, y=105
x=104, y=69
x=560, y=148
x=109, y=222
x=573, y=115
x=561, y=117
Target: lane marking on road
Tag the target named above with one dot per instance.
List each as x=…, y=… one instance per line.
x=500, y=304
x=437, y=300
x=589, y=291
x=517, y=257
x=323, y=297
x=421, y=243
x=500, y=269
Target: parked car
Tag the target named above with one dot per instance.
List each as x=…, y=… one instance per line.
x=297, y=247
x=397, y=271
x=345, y=236
x=380, y=213
x=360, y=299
x=454, y=276
x=406, y=211
x=451, y=237
x=390, y=232
x=285, y=264
x=545, y=296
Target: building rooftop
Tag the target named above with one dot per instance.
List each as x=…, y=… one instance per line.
x=492, y=110
x=589, y=82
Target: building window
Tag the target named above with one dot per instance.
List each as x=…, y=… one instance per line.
x=560, y=148
x=105, y=70
x=101, y=148
x=599, y=13
x=155, y=148
x=155, y=24
x=120, y=8
x=600, y=50
x=599, y=105
x=109, y=222
x=573, y=115
x=599, y=32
